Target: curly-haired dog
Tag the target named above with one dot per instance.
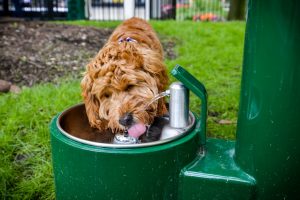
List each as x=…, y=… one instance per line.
x=122, y=79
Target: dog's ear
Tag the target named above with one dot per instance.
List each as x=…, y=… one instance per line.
x=154, y=65
x=91, y=102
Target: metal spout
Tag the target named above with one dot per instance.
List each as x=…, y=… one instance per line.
x=178, y=111
x=179, y=105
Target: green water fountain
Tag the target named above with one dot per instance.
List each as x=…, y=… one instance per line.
x=262, y=163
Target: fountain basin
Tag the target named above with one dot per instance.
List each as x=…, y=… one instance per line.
x=88, y=166
x=74, y=124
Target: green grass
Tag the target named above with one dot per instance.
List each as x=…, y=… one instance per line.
x=212, y=52
x=25, y=167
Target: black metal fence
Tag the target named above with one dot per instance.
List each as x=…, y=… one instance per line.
x=48, y=9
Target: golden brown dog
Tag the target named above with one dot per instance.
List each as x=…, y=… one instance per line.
x=122, y=79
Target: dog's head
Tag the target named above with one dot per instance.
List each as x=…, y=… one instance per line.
x=118, y=85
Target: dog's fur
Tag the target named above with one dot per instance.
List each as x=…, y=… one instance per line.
x=124, y=77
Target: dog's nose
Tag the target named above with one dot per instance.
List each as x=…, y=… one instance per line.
x=126, y=119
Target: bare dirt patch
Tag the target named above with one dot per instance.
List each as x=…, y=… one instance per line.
x=36, y=52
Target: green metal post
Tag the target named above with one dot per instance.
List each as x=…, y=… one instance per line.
x=268, y=133
x=265, y=162
x=76, y=9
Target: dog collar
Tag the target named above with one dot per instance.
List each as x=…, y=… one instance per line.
x=128, y=39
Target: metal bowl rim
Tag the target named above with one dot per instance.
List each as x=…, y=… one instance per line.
x=119, y=146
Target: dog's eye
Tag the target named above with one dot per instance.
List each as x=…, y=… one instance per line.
x=106, y=95
x=129, y=39
x=120, y=40
x=129, y=87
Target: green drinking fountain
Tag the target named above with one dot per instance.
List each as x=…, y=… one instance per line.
x=262, y=163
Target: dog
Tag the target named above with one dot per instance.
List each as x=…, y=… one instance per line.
x=121, y=80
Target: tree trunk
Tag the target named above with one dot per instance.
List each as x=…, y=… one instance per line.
x=237, y=10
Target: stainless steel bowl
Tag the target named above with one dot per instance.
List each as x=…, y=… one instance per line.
x=73, y=123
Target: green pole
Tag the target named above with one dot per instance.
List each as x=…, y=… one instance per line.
x=76, y=9
x=268, y=130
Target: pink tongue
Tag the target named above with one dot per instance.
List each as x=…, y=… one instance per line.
x=137, y=130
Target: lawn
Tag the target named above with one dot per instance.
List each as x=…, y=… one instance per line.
x=212, y=52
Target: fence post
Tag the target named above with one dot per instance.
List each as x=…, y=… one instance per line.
x=155, y=9
x=5, y=7
x=147, y=9
x=50, y=9
x=129, y=8
x=87, y=9
x=174, y=9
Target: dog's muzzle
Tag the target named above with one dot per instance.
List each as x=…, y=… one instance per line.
x=126, y=119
